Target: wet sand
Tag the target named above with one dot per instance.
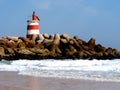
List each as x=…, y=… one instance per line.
x=13, y=81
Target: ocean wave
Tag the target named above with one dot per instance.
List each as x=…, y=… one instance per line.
x=85, y=69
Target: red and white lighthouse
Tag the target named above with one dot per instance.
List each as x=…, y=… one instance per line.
x=33, y=26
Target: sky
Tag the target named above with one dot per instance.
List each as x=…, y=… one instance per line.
x=99, y=19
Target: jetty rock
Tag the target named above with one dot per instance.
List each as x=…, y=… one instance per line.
x=54, y=46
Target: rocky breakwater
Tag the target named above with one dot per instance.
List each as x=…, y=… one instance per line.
x=53, y=46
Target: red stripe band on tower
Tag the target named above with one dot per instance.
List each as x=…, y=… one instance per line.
x=32, y=27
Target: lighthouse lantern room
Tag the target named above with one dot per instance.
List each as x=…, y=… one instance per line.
x=33, y=26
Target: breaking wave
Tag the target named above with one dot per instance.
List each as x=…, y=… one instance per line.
x=77, y=69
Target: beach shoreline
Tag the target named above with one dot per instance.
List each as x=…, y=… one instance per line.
x=14, y=81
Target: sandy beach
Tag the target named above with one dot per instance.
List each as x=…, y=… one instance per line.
x=13, y=81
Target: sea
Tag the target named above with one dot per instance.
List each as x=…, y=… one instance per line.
x=99, y=70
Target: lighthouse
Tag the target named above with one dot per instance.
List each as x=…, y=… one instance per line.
x=33, y=26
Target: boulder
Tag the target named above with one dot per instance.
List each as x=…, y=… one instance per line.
x=51, y=36
x=76, y=37
x=30, y=43
x=112, y=53
x=56, y=41
x=41, y=37
x=46, y=36
x=85, y=47
x=99, y=55
x=11, y=44
x=109, y=50
x=64, y=41
x=88, y=54
x=13, y=38
x=2, y=52
x=3, y=42
x=66, y=36
x=99, y=48
x=44, y=53
x=24, y=51
x=81, y=42
x=47, y=42
x=39, y=45
x=23, y=39
x=91, y=43
x=57, y=36
x=116, y=52
x=54, y=48
x=20, y=44
x=35, y=37
x=71, y=41
x=70, y=51
x=39, y=41
x=80, y=54
x=76, y=45
x=9, y=51
x=40, y=52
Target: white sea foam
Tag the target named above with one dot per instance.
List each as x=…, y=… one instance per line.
x=85, y=69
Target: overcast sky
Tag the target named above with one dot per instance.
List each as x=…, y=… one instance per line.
x=99, y=19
